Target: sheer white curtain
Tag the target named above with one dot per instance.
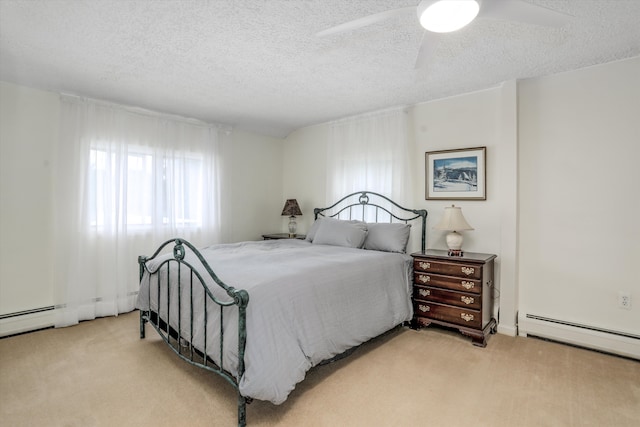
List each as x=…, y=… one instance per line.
x=126, y=181
x=370, y=152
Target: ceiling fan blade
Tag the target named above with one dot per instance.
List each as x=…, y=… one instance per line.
x=426, y=50
x=518, y=10
x=364, y=21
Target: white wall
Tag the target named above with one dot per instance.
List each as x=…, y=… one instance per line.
x=579, y=137
x=28, y=134
x=256, y=182
x=460, y=122
x=304, y=177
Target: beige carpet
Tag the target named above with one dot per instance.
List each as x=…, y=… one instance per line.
x=99, y=373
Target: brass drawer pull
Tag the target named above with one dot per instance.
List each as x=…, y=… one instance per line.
x=424, y=265
x=424, y=279
x=467, y=300
x=467, y=317
x=468, y=285
x=424, y=292
x=424, y=308
x=468, y=270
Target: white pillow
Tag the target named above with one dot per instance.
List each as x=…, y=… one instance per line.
x=314, y=229
x=387, y=237
x=341, y=233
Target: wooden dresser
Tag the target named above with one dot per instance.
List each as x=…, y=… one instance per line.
x=454, y=291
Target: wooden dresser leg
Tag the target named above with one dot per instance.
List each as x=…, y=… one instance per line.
x=480, y=341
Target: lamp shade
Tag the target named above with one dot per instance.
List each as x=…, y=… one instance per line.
x=453, y=220
x=291, y=208
x=443, y=16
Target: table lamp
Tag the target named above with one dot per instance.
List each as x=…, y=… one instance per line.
x=291, y=209
x=453, y=221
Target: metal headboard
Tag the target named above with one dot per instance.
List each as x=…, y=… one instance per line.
x=368, y=202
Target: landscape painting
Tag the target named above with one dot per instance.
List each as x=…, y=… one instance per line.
x=456, y=174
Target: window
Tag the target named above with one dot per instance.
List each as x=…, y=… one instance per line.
x=139, y=189
x=126, y=179
x=370, y=152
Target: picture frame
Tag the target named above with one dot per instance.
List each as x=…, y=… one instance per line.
x=458, y=174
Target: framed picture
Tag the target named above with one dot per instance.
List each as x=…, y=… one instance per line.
x=456, y=174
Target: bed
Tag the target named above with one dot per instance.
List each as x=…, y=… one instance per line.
x=261, y=314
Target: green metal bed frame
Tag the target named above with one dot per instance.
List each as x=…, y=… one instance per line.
x=353, y=206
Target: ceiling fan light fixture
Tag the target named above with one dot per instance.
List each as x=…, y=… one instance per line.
x=444, y=16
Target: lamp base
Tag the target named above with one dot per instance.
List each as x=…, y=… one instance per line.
x=293, y=226
x=454, y=243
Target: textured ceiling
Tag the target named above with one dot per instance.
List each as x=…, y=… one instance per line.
x=257, y=64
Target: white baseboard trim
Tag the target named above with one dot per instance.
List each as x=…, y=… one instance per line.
x=584, y=336
x=512, y=331
x=26, y=322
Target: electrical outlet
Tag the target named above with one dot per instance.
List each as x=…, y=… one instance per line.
x=624, y=300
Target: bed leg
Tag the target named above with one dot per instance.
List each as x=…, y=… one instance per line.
x=242, y=411
x=143, y=322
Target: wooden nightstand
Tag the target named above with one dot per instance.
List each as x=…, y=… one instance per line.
x=453, y=291
x=276, y=236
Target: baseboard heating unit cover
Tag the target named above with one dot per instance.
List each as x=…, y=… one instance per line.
x=606, y=340
x=26, y=320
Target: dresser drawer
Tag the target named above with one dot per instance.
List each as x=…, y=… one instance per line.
x=469, y=271
x=448, y=282
x=460, y=299
x=447, y=313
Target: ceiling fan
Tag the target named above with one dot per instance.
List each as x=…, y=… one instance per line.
x=442, y=16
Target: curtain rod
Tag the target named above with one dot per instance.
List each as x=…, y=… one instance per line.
x=146, y=112
x=404, y=109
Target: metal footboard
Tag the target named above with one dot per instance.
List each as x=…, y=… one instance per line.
x=172, y=334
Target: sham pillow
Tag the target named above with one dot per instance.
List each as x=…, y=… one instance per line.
x=311, y=234
x=337, y=232
x=387, y=237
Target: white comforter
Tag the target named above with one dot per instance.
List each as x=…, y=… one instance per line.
x=307, y=303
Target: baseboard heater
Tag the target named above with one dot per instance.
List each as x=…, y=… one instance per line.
x=602, y=339
x=26, y=321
